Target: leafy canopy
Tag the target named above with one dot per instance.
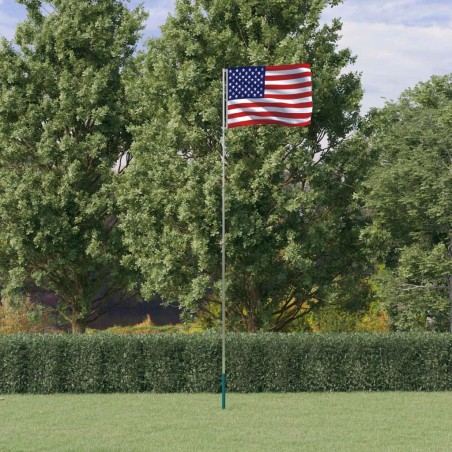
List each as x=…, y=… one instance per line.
x=409, y=195
x=291, y=233
x=62, y=126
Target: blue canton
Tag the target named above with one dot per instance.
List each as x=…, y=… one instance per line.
x=246, y=82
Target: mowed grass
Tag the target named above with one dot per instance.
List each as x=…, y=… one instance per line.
x=390, y=421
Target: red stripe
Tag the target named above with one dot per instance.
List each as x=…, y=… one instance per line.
x=264, y=104
x=294, y=86
x=263, y=114
x=288, y=96
x=268, y=121
x=287, y=66
x=288, y=76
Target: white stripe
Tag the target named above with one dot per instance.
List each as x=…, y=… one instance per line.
x=292, y=81
x=306, y=89
x=272, y=109
x=269, y=100
x=287, y=71
x=267, y=118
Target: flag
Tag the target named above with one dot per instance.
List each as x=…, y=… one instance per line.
x=269, y=95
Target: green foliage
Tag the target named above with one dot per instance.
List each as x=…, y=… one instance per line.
x=148, y=327
x=255, y=363
x=409, y=196
x=339, y=319
x=62, y=126
x=292, y=228
x=23, y=316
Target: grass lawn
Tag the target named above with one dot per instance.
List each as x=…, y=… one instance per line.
x=390, y=421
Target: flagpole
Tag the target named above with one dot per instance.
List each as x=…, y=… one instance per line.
x=223, y=247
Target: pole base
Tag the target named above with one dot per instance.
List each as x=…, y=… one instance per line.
x=223, y=391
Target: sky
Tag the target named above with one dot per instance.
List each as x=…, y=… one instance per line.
x=398, y=43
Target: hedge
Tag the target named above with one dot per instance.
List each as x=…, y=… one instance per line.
x=101, y=363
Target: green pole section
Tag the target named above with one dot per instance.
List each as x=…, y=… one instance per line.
x=223, y=391
x=223, y=250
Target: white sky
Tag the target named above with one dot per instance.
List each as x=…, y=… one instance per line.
x=398, y=43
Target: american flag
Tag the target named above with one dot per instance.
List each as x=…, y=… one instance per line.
x=270, y=95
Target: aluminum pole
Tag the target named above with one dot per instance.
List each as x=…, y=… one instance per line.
x=223, y=248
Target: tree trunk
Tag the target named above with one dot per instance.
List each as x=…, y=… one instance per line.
x=252, y=320
x=251, y=324
x=78, y=325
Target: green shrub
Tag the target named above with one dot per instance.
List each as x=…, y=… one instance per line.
x=23, y=316
x=46, y=363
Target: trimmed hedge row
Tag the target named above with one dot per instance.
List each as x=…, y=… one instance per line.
x=255, y=362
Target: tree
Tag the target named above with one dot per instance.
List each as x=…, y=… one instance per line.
x=409, y=195
x=62, y=127
x=291, y=233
